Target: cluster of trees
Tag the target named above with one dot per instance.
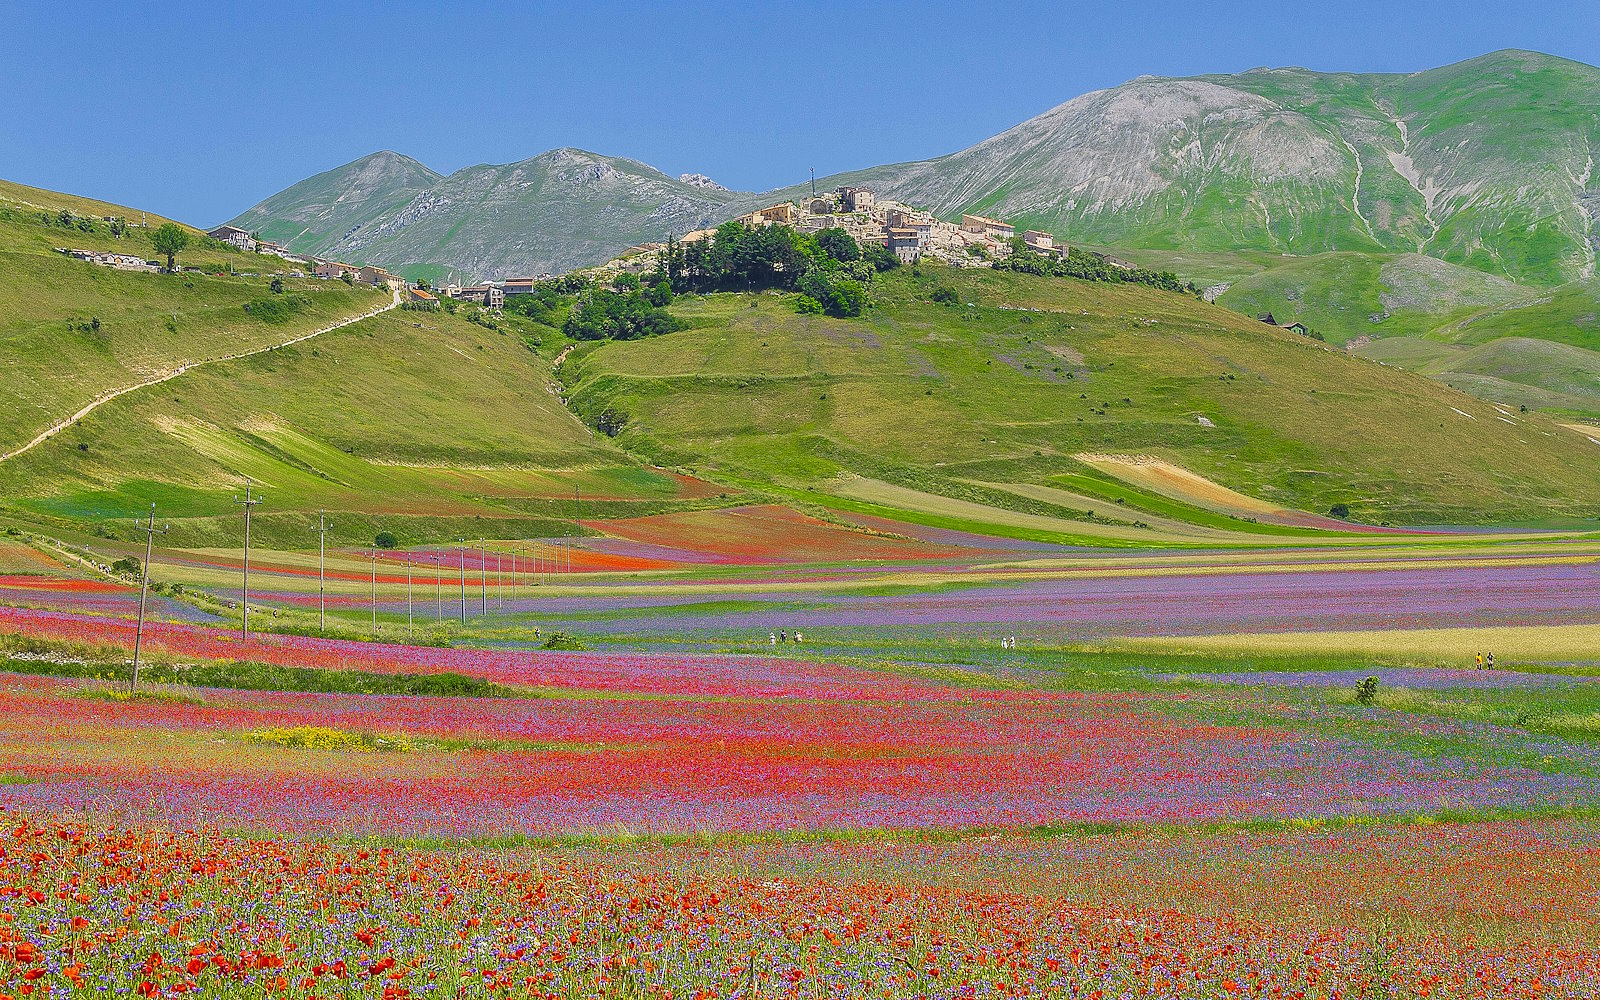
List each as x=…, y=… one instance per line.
x=626, y=311
x=1088, y=267
x=829, y=270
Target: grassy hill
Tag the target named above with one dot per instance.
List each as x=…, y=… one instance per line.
x=71, y=331
x=1028, y=373
x=1007, y=412
x=1421, y=313
x=421, y=423
x=428, y=424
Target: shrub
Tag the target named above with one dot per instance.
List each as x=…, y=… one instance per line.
x=1339, y=510
x=385, y=540
x=561, y=640
x=126, y=566
x=946, y=296
x=1367, y=690
x=807, y=305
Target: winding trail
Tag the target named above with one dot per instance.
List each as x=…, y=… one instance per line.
x=100, y=401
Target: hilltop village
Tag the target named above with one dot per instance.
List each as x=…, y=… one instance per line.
x=911, y=233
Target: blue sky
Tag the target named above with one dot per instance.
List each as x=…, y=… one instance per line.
x=200, y=111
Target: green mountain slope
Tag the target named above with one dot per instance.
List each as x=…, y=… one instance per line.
x=562, y=209
x=426, y=423
x=1486, y=163
x=940, y=398
x=319, y=212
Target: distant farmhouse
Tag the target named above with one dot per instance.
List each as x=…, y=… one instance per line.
x=234, y=236
x=984, y=226
x=1295, y=327
x=120, y=261
x=379, y=278
x=337, y=269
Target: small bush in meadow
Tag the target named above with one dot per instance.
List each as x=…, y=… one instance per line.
x=1367, y=690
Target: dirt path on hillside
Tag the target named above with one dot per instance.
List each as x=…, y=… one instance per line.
x=100, y=401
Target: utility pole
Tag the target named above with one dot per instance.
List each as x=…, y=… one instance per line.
x=150, y=534
x=461, y=545
x=438, y=587
x=499, y=580
x=374, y=593
x=322, y=570
x=813, y=182
x=408, y=595
x=483, y=578
x=247, y=503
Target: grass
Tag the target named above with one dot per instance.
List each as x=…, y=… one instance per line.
x=1576, y=644
x=422, y=424
x=1535, y=345
x=996, y=393
x=58, y=361
x=249, y=676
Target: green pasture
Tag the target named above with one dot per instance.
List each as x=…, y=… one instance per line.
x=1034, y=371
x=72, y=331
x=396, y=421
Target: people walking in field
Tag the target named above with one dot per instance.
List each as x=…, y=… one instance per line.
x=772, y=638
x=1491, y=659
x=783, y=635
x=1480, y=661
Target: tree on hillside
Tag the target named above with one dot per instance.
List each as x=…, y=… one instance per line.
x=838, y=244
x=171, y=240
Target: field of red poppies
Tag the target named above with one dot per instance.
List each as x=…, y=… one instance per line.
x=627, y=823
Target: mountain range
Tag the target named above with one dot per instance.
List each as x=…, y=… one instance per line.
x=1487, y=163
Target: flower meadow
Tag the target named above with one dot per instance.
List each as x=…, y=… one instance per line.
x=689, y=826
x=103, y=910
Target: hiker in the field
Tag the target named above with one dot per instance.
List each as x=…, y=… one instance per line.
x=1491, y=660
x=1480, y=661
